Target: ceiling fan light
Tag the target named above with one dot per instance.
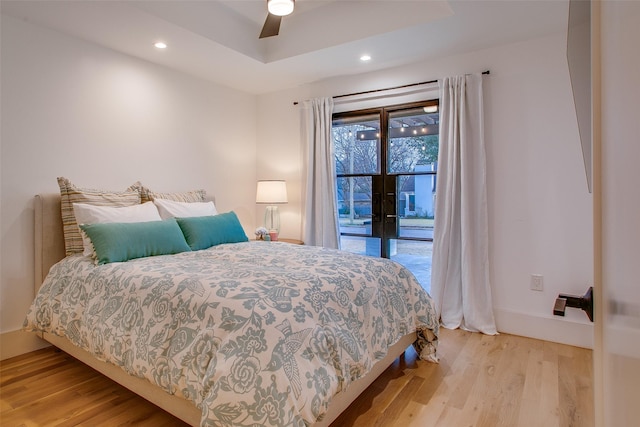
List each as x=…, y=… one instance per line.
x=280, y=7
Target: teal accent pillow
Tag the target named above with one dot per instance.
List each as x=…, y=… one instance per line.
x=117, y=241
x=202, y=232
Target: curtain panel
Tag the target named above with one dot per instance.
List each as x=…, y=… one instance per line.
x=460, y=282
x=320, y=216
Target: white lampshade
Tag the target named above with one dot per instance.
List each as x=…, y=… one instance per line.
x=280, y=7
x=271, y=192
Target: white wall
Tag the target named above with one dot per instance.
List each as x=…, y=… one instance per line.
x=105, y=120
x=539, y=205
x=279, y=156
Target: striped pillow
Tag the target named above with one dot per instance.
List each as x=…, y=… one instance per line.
x=147, y=195
x=71, y=194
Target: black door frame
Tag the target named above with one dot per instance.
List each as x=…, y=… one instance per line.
x=384, y=215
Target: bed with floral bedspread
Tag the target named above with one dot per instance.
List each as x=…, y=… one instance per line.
x=253, y=333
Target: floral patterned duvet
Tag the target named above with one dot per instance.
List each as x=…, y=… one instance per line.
x=253, y=333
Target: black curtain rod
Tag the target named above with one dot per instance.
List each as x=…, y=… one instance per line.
x=384, y=90
x=389, y=88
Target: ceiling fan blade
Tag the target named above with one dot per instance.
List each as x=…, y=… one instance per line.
x=271, y=26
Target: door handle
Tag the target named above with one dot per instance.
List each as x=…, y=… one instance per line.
x=390, y=208
x=376, y=207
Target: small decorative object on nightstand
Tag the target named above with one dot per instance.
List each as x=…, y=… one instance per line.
x=261, y=233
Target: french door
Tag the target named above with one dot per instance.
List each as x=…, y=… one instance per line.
x=386, y=167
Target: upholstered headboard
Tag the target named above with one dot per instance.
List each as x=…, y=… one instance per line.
x=49, y=240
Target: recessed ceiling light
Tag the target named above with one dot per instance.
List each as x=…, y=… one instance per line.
x=160, y=45
x=365, y=58
x=431, y=109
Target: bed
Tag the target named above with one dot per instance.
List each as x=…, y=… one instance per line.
x=242, y=345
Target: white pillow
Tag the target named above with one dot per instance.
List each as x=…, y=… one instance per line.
x=91, y=214
x=173, y=209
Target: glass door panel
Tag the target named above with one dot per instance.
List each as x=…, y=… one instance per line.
x=355, y=205
x=416, y=256
x=356, y=142
x=357, y=150
x=412, y=162
x=416, y=205
x=413, y=141
x=361, y=245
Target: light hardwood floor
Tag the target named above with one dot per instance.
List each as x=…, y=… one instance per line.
x=481, y=380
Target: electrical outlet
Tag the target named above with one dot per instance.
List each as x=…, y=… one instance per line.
x=536, y=282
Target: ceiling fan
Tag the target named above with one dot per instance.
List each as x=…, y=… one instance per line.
x=277, y=9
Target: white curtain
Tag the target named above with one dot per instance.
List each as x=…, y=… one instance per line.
x=460, y=269
x=320, y=216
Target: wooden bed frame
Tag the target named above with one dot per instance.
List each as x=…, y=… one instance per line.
x=49, y=249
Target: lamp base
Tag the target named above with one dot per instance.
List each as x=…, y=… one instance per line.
x=272, y=219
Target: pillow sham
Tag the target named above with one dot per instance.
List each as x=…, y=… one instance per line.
x=172, y=209
x=91, y=214
x=147, y=195
x=119, y=242
x=70, y=194
x=206, y=231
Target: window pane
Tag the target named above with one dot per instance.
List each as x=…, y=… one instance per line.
x=354, y=205
x=356, y=144
x=416, y=256
x=361, y=245
x=413, y=140
x=416, y=204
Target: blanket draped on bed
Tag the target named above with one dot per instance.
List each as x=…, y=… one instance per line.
x=253, y=333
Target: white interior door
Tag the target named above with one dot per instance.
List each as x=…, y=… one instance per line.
x=617, y=352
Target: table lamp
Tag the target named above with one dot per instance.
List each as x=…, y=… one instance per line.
x=271, y=192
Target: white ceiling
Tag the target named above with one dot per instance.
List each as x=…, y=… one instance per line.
x=217, y=40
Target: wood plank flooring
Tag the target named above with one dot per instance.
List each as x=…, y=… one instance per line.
x=481, y=380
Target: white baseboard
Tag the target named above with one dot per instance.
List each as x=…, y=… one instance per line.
x=549, y=328
x=15, y=343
